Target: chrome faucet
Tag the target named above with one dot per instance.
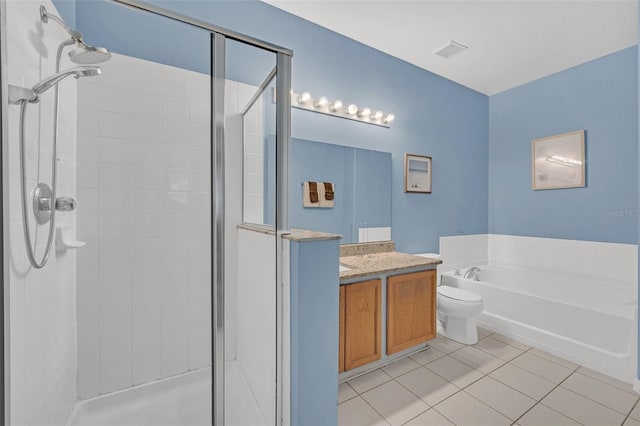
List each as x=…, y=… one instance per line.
x=472, y=273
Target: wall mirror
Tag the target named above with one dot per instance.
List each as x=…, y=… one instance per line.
x=362, y=179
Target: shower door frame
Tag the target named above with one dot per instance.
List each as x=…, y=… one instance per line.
x=4, y=269
x=219, y=36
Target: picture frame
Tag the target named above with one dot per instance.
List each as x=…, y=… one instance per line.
x=558, y=162
x=417, y=173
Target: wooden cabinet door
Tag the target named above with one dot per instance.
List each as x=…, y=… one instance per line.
x=341, y=339
x=411, y=310
x=362, y=323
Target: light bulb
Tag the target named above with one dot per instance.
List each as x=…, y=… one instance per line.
x=364, y=113
x=377, y=115
x=336, y=105
x=389, y=118
x=352, y=109
x=304, y=98
x=322, y=102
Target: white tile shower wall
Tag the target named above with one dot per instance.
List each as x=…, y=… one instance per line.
x=615, y=264
x=254, y=145
x=463, y=250
x=144, y=310
x=41, y=302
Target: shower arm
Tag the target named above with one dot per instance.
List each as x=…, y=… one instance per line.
x=45, y=16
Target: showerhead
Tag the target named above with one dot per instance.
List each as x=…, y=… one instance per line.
x=77, y=72
x=83, y=54
x=88, y=55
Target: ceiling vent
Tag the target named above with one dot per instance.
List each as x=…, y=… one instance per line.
x=450, y=49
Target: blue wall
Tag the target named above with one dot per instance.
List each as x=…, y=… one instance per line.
x=314, y=332
x=435, y=116
x=600, y=97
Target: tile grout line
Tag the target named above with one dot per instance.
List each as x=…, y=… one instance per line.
x=629, y=413
x=602, y=381
x=384, y=419
x=547, y=394
x=593, y=400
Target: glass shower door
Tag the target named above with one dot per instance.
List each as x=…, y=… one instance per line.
x=250, y=291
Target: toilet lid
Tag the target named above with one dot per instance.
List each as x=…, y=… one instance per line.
x=458, y=294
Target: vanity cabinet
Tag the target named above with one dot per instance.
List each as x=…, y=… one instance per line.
x=360, y=324
x=411, y=310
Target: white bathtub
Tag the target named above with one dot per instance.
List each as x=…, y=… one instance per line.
x=589, y=322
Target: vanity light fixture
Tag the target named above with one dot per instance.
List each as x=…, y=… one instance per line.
x=352, y=109
x=321, y=102
x=364, y=113
x=304, y=98
x=337, y=108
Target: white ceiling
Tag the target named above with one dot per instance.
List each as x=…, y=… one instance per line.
x=511, y=42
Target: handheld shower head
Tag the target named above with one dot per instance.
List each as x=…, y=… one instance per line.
x=77, y=72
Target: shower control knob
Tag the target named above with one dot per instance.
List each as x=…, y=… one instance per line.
x=65, y=204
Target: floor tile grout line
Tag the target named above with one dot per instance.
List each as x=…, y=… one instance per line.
x=375, y=387
x=631, y=392
x=629, y=413
x=442, y=414
x=536, y=374
x=500, y=341
x=348, y=399
x=448, y=381
x=592, y=400
x=393, y=379
x=374, y=408
x=487, y=352
x=406, y=372
x=556, y=363
x=503, y=363
x=516, y=389
x=482, y=402
x=539, y=401
x=377, y=369
x=512, y=388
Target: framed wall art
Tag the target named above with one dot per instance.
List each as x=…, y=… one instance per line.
x=417, y=173
x=558, y=161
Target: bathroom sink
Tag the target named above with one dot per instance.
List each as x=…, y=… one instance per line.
x=344, y=268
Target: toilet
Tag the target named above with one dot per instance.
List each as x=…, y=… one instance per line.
x=457, y=311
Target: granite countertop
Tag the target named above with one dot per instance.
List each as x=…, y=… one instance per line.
x=378, y=263
x=305, y=235
x=293, y=234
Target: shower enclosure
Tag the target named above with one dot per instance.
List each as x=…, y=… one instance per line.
x=143, y=205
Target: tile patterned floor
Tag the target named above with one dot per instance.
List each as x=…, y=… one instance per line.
x=497, y=381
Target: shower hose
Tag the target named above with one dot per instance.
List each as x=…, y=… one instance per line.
x=31, y=249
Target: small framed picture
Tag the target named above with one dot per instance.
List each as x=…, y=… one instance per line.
x=558, y=161
x=417, y=173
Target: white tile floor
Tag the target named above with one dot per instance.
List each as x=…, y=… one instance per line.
x=497, y=381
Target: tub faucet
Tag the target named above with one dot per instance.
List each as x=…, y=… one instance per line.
x=472, y=273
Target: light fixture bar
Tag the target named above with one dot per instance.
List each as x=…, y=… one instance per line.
x=337, y=108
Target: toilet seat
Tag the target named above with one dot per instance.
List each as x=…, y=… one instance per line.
x=458, y=294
